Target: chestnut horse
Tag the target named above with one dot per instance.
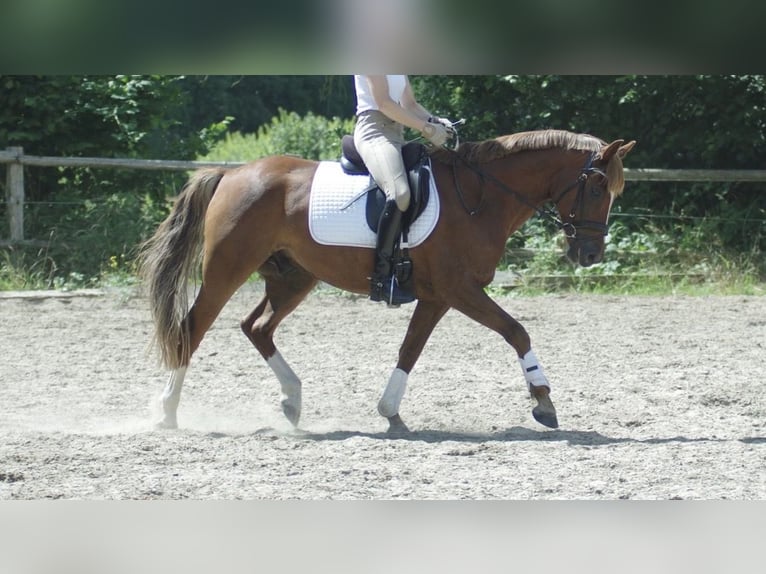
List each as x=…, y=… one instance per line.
x=237, y=221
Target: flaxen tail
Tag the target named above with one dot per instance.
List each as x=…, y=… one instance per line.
x=169, y=259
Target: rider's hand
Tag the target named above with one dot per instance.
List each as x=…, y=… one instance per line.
x=436, y=133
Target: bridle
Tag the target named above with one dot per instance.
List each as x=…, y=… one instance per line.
x=569, y=228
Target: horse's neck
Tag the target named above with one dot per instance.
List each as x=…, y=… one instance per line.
x=523, y=183
x=534, y=174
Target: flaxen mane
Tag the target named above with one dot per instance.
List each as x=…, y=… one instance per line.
x=497, y=148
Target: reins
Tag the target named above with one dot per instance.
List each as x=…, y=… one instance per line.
x=568, y=228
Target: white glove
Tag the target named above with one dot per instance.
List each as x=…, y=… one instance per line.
x=443, y=121
x=435, y=133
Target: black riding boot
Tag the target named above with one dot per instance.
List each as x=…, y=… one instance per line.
x=383, y=287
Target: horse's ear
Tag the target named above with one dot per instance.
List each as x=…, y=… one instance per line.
x=608, y=151
x=623, y=151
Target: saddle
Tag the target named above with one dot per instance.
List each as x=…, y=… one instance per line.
x=415, y=159
x=416, y=163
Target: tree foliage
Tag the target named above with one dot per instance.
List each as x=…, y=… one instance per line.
x=704, y=122
x=95, y=115
x=252, y=101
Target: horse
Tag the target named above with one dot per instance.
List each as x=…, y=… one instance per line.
x=236, y=221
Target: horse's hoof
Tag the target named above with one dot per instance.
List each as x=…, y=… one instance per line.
x=292, y=413
x=165, y=424
x=396, y=426
x=546, y=418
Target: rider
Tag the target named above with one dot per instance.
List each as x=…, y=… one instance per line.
x=385, y=105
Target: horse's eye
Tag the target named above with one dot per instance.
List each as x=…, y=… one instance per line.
x=598, y=185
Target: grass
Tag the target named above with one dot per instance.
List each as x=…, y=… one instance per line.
x=644, y=285
x=655, y=275
x=22, y=271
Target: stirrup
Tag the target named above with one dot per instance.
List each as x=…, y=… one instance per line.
x=388, y=290
x=395, y=295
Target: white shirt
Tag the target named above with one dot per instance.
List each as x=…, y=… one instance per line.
x=364, y=99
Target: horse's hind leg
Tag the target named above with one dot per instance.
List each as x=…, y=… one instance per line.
x=286, y=286
x=170, y=398
x=211, y=298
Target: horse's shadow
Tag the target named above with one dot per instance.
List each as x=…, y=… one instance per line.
x=513, y=434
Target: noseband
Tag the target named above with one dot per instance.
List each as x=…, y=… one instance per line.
x=569, y=228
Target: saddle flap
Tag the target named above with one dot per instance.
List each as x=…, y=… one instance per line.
x=420, y=191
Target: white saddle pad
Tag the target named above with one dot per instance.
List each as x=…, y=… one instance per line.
x=337, y=209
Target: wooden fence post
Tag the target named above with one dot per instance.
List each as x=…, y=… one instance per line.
x=15, y=195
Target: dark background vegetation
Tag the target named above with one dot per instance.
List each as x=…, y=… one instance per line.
x=94, y=218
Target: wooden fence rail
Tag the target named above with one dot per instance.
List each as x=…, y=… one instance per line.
x=16, y=160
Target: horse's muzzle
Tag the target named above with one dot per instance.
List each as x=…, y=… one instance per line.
x=586, y=252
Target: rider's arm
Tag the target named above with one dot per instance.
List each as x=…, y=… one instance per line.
x=412, y=116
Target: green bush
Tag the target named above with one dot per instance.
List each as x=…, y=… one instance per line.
x=310, y=136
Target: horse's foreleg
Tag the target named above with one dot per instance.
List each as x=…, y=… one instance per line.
x=424, y=319
x=480, y=307
x=540, y=389
x=286, y=286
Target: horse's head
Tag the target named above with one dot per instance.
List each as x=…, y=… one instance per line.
x=585, y=204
